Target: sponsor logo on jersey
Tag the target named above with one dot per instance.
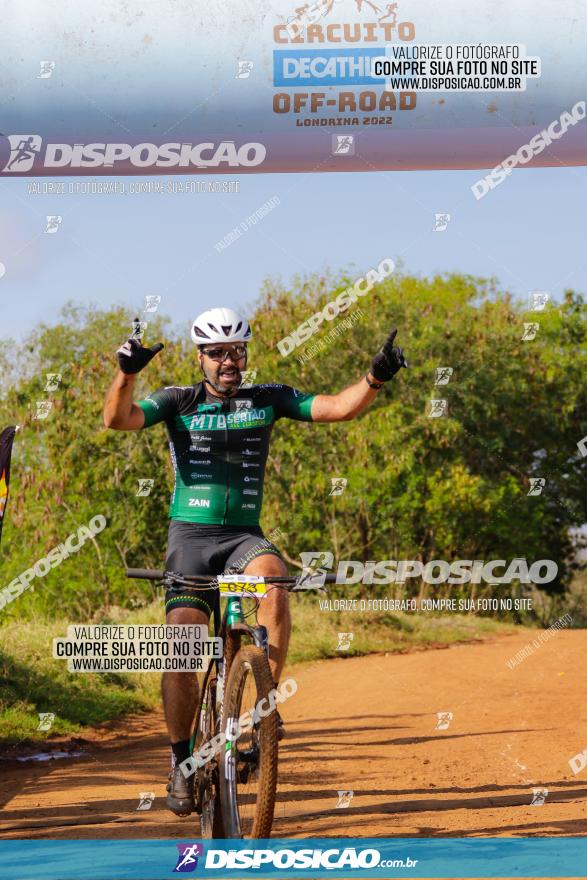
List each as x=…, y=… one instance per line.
x=251, y=479
x=196, y=476
x=250, y=492
x=247, y=464
x=199, y=449
x=220, y=422
x=199, y=502
x=251, y=452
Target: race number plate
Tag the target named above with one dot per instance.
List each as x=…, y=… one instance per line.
x=242, y=585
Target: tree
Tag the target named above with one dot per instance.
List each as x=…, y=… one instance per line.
x=418, y=487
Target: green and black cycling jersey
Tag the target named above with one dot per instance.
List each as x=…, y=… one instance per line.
x=219, y=446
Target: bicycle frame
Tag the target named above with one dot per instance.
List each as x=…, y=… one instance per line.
x=215, y=792
x=233, y=620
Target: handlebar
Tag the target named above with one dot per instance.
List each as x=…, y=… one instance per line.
x=155, y=574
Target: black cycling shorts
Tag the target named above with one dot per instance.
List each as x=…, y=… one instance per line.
x=198, y=548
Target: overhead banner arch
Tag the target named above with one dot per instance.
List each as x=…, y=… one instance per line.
x=246, y=86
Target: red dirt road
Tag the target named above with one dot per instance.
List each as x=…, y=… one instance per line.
x=366, y=725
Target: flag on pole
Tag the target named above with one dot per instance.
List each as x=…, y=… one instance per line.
x=6, y=441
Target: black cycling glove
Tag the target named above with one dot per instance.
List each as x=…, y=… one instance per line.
x=132, y=357
x=388, y=360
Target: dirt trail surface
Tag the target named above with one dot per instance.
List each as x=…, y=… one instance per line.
x=366, y=725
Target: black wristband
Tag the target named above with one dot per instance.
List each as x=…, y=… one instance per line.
x=376, y=385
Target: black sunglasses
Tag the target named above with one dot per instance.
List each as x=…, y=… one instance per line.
x=219, y=354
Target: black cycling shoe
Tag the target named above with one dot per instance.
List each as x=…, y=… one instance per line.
x=180, y=793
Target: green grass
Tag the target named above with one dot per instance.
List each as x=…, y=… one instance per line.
x=31, y=681
x=315, y=632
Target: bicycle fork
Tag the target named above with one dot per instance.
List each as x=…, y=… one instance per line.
x=235, y=616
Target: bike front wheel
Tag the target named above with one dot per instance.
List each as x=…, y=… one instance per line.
x=207, y=781
x=248, y=768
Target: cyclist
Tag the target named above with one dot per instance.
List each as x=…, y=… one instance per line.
x=219, y=440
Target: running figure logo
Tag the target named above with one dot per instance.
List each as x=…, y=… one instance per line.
x=244, y=69
x=53, y=223
x=187, y=859
x=46, y=720
x=443, y=375
x=344, y=799
x=438, y=408
x=146, y=799
x=43, y=409
x=441, y=222
x=24, y=148
x=530, y=331
x=343, y=144
x=53, y=381
x=344, y=641
x=538, y=300
x=47, y=68
x=315, y=567
x=152, y=303
x=539, y=795
x=537, y=484
x=444, y=719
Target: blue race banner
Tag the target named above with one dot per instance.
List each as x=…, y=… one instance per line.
x=320, y=857
x=330, y=85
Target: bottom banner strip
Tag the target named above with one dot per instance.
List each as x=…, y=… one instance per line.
x=319, y=857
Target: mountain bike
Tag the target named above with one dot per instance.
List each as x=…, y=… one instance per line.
x=235, y=788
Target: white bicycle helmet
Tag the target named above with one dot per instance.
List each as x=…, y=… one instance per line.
x=220, y=325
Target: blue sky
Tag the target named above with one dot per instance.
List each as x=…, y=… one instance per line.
x=529, y=233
